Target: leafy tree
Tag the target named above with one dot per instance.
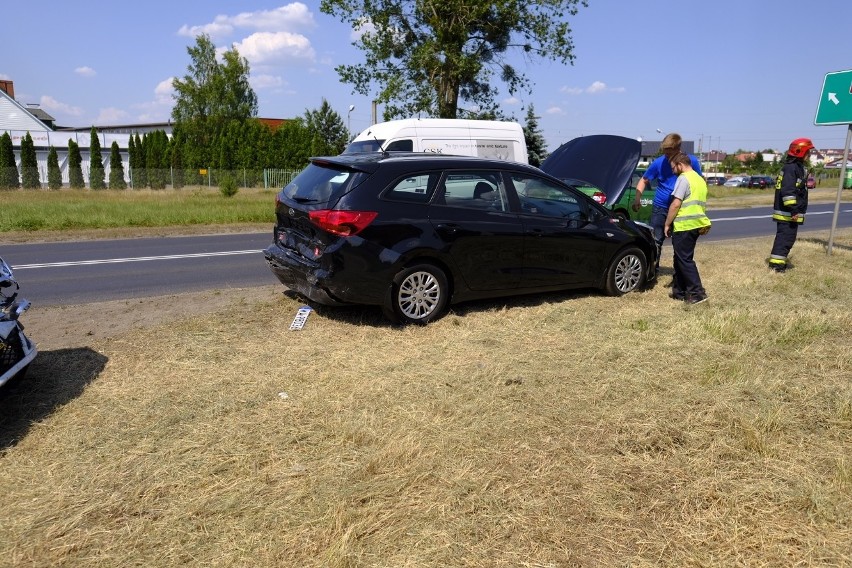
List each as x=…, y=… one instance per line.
x=755, y=162
x=252, y=151
x=8, y=167
x=176, y=163
x=96, y=162
x=731, y=164
x=116, y=168
x=228, y=144
x=291, y=145
x=29, y=164
x=156, y=162
x=54, y=174
x=209, y=96
x=427, y=55
x=75, y=166
x=327, y=130
x=536, y=145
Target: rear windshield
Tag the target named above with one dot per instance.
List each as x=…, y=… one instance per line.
x=319, y=184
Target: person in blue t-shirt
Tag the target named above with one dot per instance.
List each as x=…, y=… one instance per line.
x=661, y=170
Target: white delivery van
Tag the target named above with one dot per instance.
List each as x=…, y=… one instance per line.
x=483, y=138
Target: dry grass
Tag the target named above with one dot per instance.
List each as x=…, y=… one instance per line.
x=557, y=430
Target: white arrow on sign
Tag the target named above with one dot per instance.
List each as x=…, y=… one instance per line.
x=833, y=98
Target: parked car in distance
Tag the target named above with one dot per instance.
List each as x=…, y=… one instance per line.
x=623, y=208
x=761, y=181
x=415, y=233
x=811, y=183
x=737, y=181
x=715, y=179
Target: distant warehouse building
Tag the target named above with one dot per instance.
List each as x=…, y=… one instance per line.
x=18, y=119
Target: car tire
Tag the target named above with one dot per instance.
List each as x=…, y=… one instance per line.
x=626, y=272
x=419, y=295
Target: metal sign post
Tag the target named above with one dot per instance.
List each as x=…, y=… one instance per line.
x=839, y=189
x=835, y=107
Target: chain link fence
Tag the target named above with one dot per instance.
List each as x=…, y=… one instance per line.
x=153, y=178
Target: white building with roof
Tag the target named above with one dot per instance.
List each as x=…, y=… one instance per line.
x=17, y=119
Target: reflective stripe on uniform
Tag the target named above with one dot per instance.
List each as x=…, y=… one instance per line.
x=680, y=218
x=786, y=217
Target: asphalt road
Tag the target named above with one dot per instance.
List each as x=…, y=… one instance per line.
x=68, y=273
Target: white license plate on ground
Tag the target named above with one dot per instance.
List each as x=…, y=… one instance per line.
x=301, y=318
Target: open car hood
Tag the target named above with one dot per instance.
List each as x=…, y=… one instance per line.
x=602, y=160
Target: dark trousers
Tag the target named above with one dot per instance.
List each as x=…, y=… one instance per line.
x=687, y=281
x=785, y=238
x=658, y=223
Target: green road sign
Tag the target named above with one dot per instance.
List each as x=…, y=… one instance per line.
x=835, y=101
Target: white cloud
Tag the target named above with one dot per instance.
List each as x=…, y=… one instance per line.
x=294, y=17
x=264, y=48
x=214, y=30
x=54, y=106
x=593, y=89
x=266, y=81
x=85, y=71
x=111, y=116
x=160, y=108
x=554, y=110
x=163, y=92
x=511, y=101
x=5, y=77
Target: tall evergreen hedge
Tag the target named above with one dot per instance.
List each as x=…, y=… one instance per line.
x=75, y=166
x=54, y=174
x=8, y=167
x=116, y=168
x=29, y=164
x=96, y=162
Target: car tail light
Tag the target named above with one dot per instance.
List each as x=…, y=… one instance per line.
x=600, y=197
x=342, y=223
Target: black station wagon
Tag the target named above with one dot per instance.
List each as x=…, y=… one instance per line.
x=414, y=233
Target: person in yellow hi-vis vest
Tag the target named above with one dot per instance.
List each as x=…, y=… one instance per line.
x=686, y=221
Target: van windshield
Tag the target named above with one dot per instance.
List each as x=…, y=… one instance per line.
x=364, y=146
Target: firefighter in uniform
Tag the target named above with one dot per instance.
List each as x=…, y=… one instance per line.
x=791, y=202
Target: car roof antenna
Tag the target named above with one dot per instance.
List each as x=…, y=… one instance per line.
x=379, y=144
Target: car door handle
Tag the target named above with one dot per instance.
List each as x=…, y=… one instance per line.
x=448, y=227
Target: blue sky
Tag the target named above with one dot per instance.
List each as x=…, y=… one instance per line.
x=726, y=74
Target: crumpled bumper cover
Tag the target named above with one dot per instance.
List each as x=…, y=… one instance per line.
x=299, y=276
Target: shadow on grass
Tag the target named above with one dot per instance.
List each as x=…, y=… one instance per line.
x=53, y=379
x=824, y=243
x=372, y=315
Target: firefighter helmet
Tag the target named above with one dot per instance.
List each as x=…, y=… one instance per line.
x=800, y=147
